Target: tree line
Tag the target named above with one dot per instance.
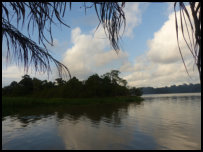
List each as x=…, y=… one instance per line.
x=184, y=88
x=106, y=85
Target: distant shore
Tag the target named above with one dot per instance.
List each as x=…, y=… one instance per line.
x=172, y=93
x=31, y=101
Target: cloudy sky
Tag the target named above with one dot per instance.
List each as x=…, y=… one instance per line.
x=149, y=54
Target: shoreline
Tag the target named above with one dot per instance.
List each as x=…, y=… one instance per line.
x=34, y=101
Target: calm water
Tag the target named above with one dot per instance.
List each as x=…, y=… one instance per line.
x=170, y=121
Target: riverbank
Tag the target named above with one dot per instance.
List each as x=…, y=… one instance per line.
x=30, y=101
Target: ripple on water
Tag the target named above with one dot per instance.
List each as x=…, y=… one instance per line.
x=156, y=123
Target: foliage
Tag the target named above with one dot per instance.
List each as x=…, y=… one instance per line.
x=191, y=88
x=193, y=31
x=39, y=17
x=110, y=14
x=136, y=91
x=10, y=104
x=108, y=85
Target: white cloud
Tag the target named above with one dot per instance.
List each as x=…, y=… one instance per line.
x=12, y=73
x=127, y=67
x=162, y=64
x=133, y=17
x=163, y=47
x=91, y=53
x=170, y=8
x=15, y=73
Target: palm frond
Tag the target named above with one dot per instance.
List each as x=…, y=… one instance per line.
x=39, y=16
x=112, y=18
x=27, y=52
x=194, y=42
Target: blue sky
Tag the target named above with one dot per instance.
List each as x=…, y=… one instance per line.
x=148, y=57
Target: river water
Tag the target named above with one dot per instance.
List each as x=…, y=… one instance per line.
x=167, y=121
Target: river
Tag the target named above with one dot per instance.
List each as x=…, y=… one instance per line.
x=161, y=121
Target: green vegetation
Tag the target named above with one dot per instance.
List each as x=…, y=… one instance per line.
x=184, y=88
x=99, y=89
x=28, y=101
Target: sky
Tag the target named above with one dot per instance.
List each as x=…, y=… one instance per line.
x=149, y=55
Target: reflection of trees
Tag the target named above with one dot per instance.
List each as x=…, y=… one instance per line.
x=96, y=113
x=112, y=113
x=26, y=120
x=173, y=97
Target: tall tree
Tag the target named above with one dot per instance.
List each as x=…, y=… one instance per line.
x=26, y=84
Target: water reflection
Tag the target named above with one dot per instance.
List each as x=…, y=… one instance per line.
x=175, y=96
x=160, y=122
x=111, y=113
x=40, y=135
x=97, y=129
x=174, y=121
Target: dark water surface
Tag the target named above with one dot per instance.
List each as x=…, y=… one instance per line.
x=169, y=121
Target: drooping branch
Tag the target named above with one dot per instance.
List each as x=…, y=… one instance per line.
x=194, y=34
x=112, y=18
x=28, y=52
x=39, y=16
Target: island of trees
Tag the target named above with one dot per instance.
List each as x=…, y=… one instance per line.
x=106, y=85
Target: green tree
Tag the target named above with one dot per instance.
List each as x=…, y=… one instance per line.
x=106, y=86
x=12, y=90
x=114, y=77
x=48, y=89
x=93, y=86
x=26, y=85
x=73, y=88
x=117, y=84
x=60, y=82
x=136, y=91
x=37, y=84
